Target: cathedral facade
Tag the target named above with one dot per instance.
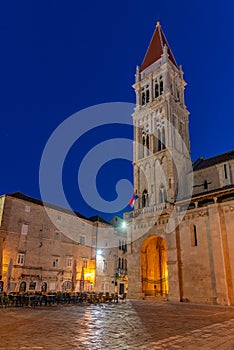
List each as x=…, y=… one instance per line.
x=180, y=233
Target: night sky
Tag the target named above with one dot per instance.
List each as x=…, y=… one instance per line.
x=59, y=57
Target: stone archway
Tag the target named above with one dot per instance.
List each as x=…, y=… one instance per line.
x=154, y=271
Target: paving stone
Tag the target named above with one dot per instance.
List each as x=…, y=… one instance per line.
x=125, y=326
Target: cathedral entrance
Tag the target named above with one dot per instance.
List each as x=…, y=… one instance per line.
x=154, y=272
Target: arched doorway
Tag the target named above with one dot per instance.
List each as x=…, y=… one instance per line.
x=154, y=271
x=144, y=198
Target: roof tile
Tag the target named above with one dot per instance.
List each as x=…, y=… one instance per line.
x=202, y=163
x=155, y=49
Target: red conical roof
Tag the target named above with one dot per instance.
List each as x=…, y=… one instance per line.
x=155, y=49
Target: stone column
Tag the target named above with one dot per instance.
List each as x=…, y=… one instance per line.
x=174, y=266
x=134, y=272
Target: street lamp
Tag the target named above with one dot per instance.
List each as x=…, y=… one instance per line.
x=124, y=224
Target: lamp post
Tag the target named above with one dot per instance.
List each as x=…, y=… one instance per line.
x=125, y=226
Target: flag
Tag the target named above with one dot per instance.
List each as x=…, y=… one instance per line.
x=132, y=200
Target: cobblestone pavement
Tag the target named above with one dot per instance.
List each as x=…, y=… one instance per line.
x=131, y=325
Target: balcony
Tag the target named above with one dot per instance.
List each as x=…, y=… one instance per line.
x=121, y=273
x=149, y=210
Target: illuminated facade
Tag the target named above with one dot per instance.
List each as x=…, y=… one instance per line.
x=111, y=259
x=193, y=261
x=37, y=256
x=60, y=252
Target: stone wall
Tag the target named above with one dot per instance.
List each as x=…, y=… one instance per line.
x=47, y=254
x=200, y=254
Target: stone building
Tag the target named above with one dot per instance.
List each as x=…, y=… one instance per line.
x=180, y=233
x=36, y=255
x=179, y=242
x=121, y=271
x=111, y=259
x=47, y=248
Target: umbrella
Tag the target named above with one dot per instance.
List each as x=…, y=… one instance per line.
x=9, y=272
x=74, y=275
x=82, y=280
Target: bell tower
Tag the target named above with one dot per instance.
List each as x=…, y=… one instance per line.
x=160, y=124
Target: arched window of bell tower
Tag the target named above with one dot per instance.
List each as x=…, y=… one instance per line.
x=147, y=144
x=162, y=194
x=158, y=87
x=163, y=138
x=143, y=98
x=144, y=198
x=161, y=86
x=145, y=95
x=159, y=141
x=156, y=90
x=145, y=141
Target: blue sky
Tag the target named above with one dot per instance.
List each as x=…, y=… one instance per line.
x=59, y=57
